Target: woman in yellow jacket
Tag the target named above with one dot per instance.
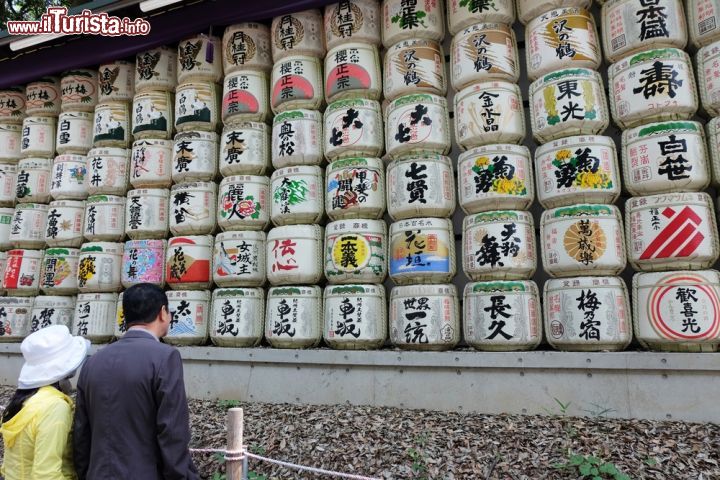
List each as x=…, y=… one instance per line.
x=37, y=422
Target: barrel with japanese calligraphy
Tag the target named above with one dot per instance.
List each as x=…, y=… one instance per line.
x=703, y=25
x=246, y=46
x=296, y=82
x=424, y=317
x=51, y=310
x=655, y=85
x=58, y=271
x=74, y=132
x=12, y=105
x=673, y=231
x=489, y=112
x=188, y=262
x=156, y=69
x=22, y=272
x=294, y=255
x=463, y=14
x=116, y=82
x=422, y=250
x=94, y=316
x=237, y=317
x=529, y=9
x=43, y=97
x=65, y=223
x=420, y=186
x=299, y=33
x=10, y=142
x=239, y=259
x=68, y=177
x=355, y=317
x=568, y=102
x=143, y=261
x=108, y=171
x=151, y=163
x=245, y=97
x=294, y=317
x=297, y=138
x=79, y=90
x=120, y=327
x=665, y=157
x=100, y=267
x=297, y=195
x=352, y=70
x=356, y=251
x=708, y=65
x=579, y=169
x=353, y=128
x=27, y=227
x=403, y=20
x=195, y=157
x=38, y=137
x=112, y=125
x=104, y=218
x=587, y=314
x=189, y=317
x=146, y=213
x=417, y=124
x=15, y=318
x=199, y=59
x=352, y=21
x=243, y=203
x=355, y=188
x=413, y=66
x=6, y=216
x=244, y=149
x=192, y=208
x=8, y=184
x=153, y=114
x=197, y=106
x=33, y=180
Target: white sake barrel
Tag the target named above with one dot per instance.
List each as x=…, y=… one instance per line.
x=677, y=311
x=196, y=157
x=197, y=107
x=199, y=59
x=481, y=52
x=33, y=180
x=353, y=128
x=355, y=317
x=295, y=255
x=356, y=251
x=665, y=157
x=237, y=317
x=58, y=271
x=403, y=20
x=355, y=188
x=28, y=225
x=74, y=133
x=579, y=169
x=424, y=317
x=143, y=261
x=65, y=222
x=51, y=310
x=8, y=184
x=100, y=267
x=104, y=218
x=708, y=62
x=299, y=33
x=68, y=177
x=152, y=114
x=243, y=203
x=703, y=25
x=6, y=216
x=151, y=163
x=499, y=245
x=246, y=97
x=671, y=232
x=38, y=137
x=587, y=314
x=119, y=319
x=713, y=139
x=296, y=82
x=116, y=81
x=582, y=239
x=630, y=26
x=414, y=66
x=146, y=213
x=655, y=85
x=489, y=112
x=192, y=209
x=187, y=262
x=495, y=177
x=95, y=316
x=462, y=14
x=417, y=123
x=112, y=125
x=244, y=149
x=43, y=97
x=22, y=272
x=15, y=318
x=239, y=259
x=529, y=9
x=422, y=250
x=108, y=171
x=352, y=70
x=10, y=142
x=189, y=317
x=79, y=90
x=297, y=195
x=420, y=186
x=156, y=69
x=502, y=316
x=12, y=105
x=352, y=21
x=293, y=317
x=246, y=46
x=297, y=138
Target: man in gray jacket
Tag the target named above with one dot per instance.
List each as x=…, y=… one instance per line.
x=131, y=416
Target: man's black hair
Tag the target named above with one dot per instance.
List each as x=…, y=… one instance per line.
x=142, y=303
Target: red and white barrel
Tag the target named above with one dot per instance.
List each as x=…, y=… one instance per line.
x=296, y=82
x=352, y=70
x=295, y=255
x=246, y=97
x=188, y=262
x=243, y=203
x=22, y=272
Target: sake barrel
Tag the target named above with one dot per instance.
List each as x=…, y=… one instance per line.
x=713, y=138
x=100, y=267
x=10, y=142
x=665, y=157
x=495, y=177
x=578, y=169
x=352, y=70
x=299, y=33
x=489, y=112
x=68, y=177
x=143, y=261
x=29, y=222
x=79, y=90
x=356, y=251
x=152, y=113
x=146, y=213
x=417, y=123
x=708, y=63
x=703, y=25
x=108, y=171
x=293, y=317
x=33, y=180
x=424, y=317
x=355, y=317
x=582, y=238
x=295, y=255
x=51, y=310
x=239, y=259
x=243, y=203
x=112, y=125
x=413, y=66
x=156, y=69
x=105, y=218
x=8, y=184
x=193, y=208
x=296, y=82
x=529, y=9
x=199, y=58
x=74, y=132
x=245, y=97
x=403, y=20
x=58, y=271
x=244, y=149
x=38, y=137
x=22, y=272
x=422, y=250
x=6, y=216
x=237, y=317
x=151, y=163
x=587, y=314
x=355, y=188
x=353, y=128
x=65, y=222
x=677, y=311
x=420, y=186
x=499, y=245
x=297, y=138
x=655, y=85
x=671, y=232
x=246, y=46
x=43, y=97
x=15, y=318
x=116, y=82
x=352, y=21
x=197, y=107
x=12, y=105
x=94, y=316
x=297, y=195
x=464, y=14
x=189, y=312
x=120, y=327
x=502, y=316
x=187, y=262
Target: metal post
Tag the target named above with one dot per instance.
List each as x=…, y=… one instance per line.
x=245, y=469
x=235, y=442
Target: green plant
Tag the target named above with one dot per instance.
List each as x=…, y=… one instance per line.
x=419, y=460
x=256, y=476
x=598, y=410
x=591, y=467
x=257, y=449
x=227, y=404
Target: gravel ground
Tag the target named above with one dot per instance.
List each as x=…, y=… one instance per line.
x=388, y=442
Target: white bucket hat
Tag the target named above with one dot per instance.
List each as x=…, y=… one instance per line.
x=51, y=354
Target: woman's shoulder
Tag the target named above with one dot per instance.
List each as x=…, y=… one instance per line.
x=52, y=400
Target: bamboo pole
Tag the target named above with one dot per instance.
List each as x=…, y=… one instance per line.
x=235, y=442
